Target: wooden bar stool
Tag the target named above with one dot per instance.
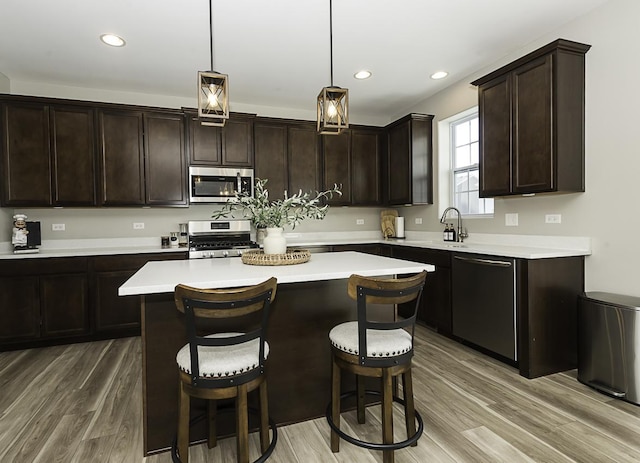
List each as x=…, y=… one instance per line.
x=226, y=364
x=380, y=350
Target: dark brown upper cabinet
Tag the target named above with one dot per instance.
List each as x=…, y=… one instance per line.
x=231, y=145
x=73, y=146
x=288, y=155
x=532, y=115
x=409, y=160
x=48, y=153
x=143, y=158
x=122, y=157
x=352, y=160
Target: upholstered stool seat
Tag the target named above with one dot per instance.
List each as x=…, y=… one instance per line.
x=376, y=349
x=388, y=343
x=225, y=358
x=221, y=361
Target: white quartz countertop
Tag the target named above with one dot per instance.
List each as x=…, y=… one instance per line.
x=517, y=246
x=162, y=277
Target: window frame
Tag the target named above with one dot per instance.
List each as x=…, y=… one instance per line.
x=465, y=116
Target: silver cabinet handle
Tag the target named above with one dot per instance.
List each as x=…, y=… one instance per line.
x=475, y=260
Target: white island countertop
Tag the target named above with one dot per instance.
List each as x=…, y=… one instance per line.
x=162, y=277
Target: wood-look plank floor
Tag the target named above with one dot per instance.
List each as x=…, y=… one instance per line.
x=83, y=403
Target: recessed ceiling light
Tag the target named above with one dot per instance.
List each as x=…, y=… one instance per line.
x=113, y=40
x=362, y=74
x=439, y=75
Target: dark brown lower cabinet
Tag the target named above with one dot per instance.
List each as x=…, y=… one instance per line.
x=49, y=301
x=43, y=299
x=119, y=315
x=435, y=304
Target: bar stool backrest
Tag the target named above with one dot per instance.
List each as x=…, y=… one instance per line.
x=374, y=291
x=240, y=313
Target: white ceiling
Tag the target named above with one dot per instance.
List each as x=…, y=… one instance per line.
x=276, y=53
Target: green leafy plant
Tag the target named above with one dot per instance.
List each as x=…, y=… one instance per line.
x=290, y=210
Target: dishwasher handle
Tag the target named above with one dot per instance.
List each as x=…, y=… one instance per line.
x=490, y=262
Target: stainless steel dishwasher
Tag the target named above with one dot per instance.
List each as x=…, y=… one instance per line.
x=484, y=302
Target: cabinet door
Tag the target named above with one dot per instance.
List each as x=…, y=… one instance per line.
x=271, y=157
x=399, y=163
x=435, y=304
x=121, y=149
x=336, y=152
x=303, y=160
x=365, y=162
x=19, y=309
x=165, y=163
x=74, y=153
x=495, y=137
x=115, y=312
x=533, y=154
x=64, y=305
x=204, y=142
x=237, y=142
x=26, y=155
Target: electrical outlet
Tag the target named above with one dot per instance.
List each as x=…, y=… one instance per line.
x=359, y=221
x=138, y=225
x=57, y=227
x=511, y=220
x=553, y=218
x=418, y=221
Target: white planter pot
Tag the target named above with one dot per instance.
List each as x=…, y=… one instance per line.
x=274, y=242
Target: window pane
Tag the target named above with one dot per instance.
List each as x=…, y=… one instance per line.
x=473, y=129
x=474, y=203
x=462, y=202
x=463, y=156
x=462, y=134
x=474, y=179
x=461, y=182
x=475, y=156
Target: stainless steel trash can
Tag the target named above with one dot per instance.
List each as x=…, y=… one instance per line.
x=609, y=344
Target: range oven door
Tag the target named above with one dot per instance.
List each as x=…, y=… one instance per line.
x=218, y=185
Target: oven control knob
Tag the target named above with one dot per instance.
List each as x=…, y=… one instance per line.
x=225, y=253
x=206, y=254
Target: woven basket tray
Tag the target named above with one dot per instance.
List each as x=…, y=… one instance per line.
x=291, y=257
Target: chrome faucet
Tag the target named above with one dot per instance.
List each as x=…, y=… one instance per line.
x=462, y=233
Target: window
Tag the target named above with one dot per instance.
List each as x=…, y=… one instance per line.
x=465, y=172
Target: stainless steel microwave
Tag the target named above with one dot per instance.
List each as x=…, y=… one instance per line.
x=218, y=184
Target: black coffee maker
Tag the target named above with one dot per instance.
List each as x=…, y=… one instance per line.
x=25, y=235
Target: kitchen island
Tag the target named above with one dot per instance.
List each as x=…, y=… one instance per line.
x=310, y=300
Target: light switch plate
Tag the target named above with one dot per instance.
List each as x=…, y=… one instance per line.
x=418, y=220
x=359, y=221
x=57, y=227
x=553, y=218
x=511, y=220
x=138, y=225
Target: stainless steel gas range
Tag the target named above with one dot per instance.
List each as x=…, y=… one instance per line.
x=219, y=238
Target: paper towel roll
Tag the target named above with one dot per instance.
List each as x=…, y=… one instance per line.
x=399, y=227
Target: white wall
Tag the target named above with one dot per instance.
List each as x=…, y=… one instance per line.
x=608, y=211
x=118, y=222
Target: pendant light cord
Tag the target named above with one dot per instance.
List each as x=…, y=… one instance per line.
x=211, y=33
x=331, y=37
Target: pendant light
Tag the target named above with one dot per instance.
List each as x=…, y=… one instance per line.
x=213, y=90
x=333, y=102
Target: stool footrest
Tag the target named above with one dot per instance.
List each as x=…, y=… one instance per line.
x=373, y=445
x=175, y=458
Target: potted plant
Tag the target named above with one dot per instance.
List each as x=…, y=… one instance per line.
x=273, y=215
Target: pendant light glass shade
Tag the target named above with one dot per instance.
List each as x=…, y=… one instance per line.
x=213, y=98
x=333, y=110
